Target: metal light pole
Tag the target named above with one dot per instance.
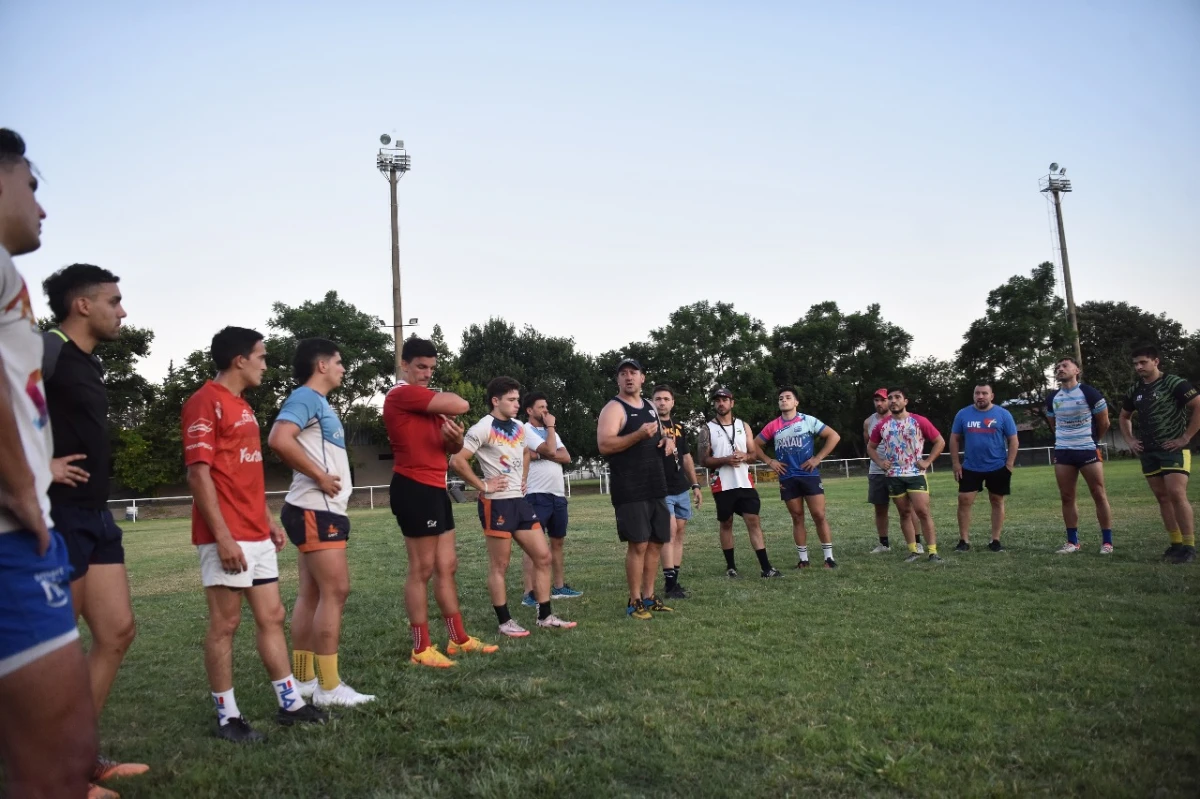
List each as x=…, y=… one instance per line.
x=393, y=162
x=1056, y=184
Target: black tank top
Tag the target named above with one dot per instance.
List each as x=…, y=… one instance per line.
x=637, y=473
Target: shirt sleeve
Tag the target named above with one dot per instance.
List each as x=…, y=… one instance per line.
x=1184, y=393
x=681, y=443
x=199, y=429
x=959, y=425
x=1010, y=424
x=877, y=432
x=410, y=398
x=1094, y=399
x=300, y=408
x=927, y=429
x=1050, y=403
x=818, y=426
x=533, y=439
x=474, y=438
x=769, y=430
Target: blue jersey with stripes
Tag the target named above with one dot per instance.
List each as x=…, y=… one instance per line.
x=1072, y=410
x=794, y=442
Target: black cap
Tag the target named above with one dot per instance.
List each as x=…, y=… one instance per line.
x=630, y=362
x=722, y=392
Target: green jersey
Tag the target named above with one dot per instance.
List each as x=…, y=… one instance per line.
x=1160, y=409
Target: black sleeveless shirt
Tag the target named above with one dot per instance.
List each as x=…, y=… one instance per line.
x=637, y=473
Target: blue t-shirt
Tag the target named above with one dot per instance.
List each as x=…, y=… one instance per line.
x=984, y=437
x=794, y=442
x=1072, y=410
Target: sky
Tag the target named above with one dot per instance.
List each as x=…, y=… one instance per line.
x=588, y=168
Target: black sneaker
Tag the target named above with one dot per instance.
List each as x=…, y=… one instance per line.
x=803, y=564
x=830, y=563
x=962, y=546
x=1172, y=552
x=934, y=558
x=996, y=546
x=237, y=731
x=1186, y=555
x=772, y=573
x=677, y=593
x=309, y=714
x=732, y=574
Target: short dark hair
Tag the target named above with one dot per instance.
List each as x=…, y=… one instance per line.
x=417, y=348
x=898, y=389
x=12, y=148
x=986, y=384
x=1148, y=351
x=791, y=389
x=499, y=386
x=70, y=283
x=663, y=387
x=532, y=399
x=1070, y=358
x=308, y=352
x=231, y=342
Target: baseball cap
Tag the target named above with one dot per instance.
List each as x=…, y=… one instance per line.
x=722, y=392
x=881, y=392
x=630, y=362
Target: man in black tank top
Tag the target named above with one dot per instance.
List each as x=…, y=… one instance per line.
x=629, y=436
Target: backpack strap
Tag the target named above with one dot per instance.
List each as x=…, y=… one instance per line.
x=52, y=344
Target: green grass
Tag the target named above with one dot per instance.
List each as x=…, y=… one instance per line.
x=1012, y=674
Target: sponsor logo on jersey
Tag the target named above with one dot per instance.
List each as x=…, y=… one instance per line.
x=199, y=428
x=246, y=456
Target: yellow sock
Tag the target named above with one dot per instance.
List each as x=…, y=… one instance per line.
x=302, y=665
x=327, y=671
x=912, y=547
x=1189, y=540
x=932, y=549
x=1175, y=536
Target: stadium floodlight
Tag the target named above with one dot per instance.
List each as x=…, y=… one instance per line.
x=394, y=162
x=1055, y=185
x=414, y=321
x=385, y=140
x=1053, y=167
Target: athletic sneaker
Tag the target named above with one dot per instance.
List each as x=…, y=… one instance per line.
x=564, y=592
x=935, y=557
x=803, y=564
x=555, y=621
x=528, y=600
x=830, y=563
x=430, y=656
x=772, y=573
x=1172, y=552
x=1106, y=549
x=307, y=688
x=637, y=610
x=996, y=546
x=309, y=714
x=962, y=546
x=732, y=574
x=677, y=593
x=100, y=792
x=1068, y=549
x=920, y=549
x=341, y=695
x=472, y=644
x=239, y=732
x=881, y=549
x=107, y=769
x=513, y=630
x=913, y=557
x=1186, y=555
x=656, y=605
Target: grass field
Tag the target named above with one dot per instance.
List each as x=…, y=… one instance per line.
x=991, y=674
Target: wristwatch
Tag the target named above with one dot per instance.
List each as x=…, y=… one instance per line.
x=695, y=485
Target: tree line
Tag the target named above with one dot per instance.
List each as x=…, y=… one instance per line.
x=835, y=360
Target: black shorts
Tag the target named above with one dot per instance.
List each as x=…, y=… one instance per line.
x=741, y=501
x=420, y=510
x=503, y=517
x=311, y=530
x=998, y=482
x=877, y=489
x=644, y=520
x=91, y=536
x=1076, y=457
x=798, y=487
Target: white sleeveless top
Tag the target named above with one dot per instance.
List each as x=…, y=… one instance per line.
x=725, y=440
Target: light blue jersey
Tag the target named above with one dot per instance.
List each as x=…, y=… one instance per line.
x=324, y=441
x=794, y=442
x=1072, y=410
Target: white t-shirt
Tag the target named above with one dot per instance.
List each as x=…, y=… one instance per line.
x=725, y=440
x=324, y=441
x=545, y=476
x=21, y=349
x=500, y=449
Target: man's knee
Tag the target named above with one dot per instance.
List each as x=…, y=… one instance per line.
x=118, y=635
x=271, y=616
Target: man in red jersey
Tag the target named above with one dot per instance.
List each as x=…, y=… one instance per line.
x=422, y=434
x=234, y=533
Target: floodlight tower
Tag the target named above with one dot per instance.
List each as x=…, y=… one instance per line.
x=1055, y=185
x=393, y=162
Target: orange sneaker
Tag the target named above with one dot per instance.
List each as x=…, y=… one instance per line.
x=99, y=792
x=430, y=656
x=472, y=644
x=107, y=769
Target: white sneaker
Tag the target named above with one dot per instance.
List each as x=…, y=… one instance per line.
x=1106, y=549
x=879, y=549
x=555, y=621
x=513, y=630
x=920, y=549
x=1068, y=549
x=307, y=689
x=342, y=695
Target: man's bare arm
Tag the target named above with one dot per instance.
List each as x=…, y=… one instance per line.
x=16, y=477
x=608, y=431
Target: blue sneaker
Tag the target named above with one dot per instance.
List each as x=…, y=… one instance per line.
x=528, y=600
x=566, y=592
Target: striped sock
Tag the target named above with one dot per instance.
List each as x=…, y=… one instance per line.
x=827, y=551
x=802, y=553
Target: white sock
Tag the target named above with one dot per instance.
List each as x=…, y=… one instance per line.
x=827, y=550
x=285, y=691
x=803, y=553
x=226, y=706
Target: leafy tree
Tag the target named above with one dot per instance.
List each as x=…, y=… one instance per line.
x=1109, y=331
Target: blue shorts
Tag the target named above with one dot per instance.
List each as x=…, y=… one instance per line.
x=503, y=517
x=551, y=511
x=680, y=505
x=36, y=617
x=797, y=487
x=1076, y=457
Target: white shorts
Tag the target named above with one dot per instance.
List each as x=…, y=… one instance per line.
x=261, y=565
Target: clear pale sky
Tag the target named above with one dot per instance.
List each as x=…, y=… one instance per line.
x=587, y=170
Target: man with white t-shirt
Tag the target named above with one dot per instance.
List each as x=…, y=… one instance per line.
x=309, y=437
x=48, y=727
x=546, y=491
